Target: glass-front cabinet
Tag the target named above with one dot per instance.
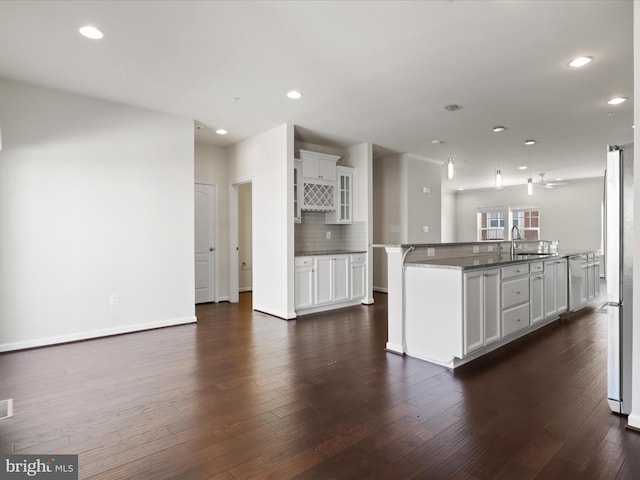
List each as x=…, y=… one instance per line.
x=343, y=197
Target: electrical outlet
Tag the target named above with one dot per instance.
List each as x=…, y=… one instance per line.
x=476, y=249
x=114, y=300
x=426, y=190
x=431, y=252
x=329, y=235
x=425, y=229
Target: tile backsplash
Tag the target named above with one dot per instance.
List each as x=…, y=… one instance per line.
x=311, y=234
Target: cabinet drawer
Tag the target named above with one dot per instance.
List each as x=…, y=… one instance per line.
x=515, y=270
x=303, y=261
x=358, y=258
x=515, y=319
x=536, y=267
x=515, y=292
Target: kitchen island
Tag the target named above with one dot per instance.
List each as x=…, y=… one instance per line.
x=451, y=303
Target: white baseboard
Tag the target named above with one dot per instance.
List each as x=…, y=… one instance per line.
x=381, y=289
x=634, y=421
x=105, y=332
x=226, y=298
x=275, y=313
x=245, y=289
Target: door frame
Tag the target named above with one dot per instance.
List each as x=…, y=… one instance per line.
x=216, y=297
x=234, y=276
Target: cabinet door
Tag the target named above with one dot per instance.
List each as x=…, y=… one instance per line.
x=536, y=298
x=304, y=287
x=345, y=193
x=323, y=279
x=562, y=286
x=326, y=169
x=473, y=311
x=341, y=278
x=358, y=280
x=319, y=168
x=550, y=290
x=491, y=299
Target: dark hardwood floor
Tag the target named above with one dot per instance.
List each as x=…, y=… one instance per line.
x=243, y=395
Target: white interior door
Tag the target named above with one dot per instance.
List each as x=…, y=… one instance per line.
x=205, y=248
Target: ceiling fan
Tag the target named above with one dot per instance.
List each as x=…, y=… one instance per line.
x=544, y=184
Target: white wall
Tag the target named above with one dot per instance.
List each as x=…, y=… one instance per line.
x=448, y=220
x=267, y=161
x=360, y=157
x=401, y=208
x=570, y=213
x=96, y=199
x=423, y=209
x=210, y=167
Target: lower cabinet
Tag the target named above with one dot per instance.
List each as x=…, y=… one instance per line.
x=555, y=287
x=481, y=309
x=515, y=298
x=327, y=280
x=332, y=278
x=358, y=276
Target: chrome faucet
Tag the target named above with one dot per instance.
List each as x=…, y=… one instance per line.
x=513, y=239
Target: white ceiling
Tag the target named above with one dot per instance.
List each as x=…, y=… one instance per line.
x=377, y=72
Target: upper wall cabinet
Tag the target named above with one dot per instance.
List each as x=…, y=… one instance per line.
x=343, y=197
x=319, y=166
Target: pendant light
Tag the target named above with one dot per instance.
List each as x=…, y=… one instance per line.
x=450, y=167
x=499, y=178
x=529, y=180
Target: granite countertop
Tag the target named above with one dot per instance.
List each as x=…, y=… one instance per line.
x=487, y=260
x=327, y=252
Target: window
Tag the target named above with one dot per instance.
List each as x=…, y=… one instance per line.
x=490, y=224
x=528, y=222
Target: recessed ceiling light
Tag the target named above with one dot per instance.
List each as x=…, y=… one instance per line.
x=499, y=129
x=294, y=94
x=529, y=142
x=436, y=142
x=452, y=108
x=559, y=179
x=91, y=32
x=523, y=167
x=460, y=189
x=221, y=131
x=580, y=61
x=617, y=100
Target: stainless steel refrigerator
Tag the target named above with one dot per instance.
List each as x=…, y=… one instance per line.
x=619, y=273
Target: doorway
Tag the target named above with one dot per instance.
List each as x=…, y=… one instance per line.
x=205, y=243
x=245, y=240
x=240, y=239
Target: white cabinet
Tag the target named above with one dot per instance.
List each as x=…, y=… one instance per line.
x=323, y=281
x=481, y=309
x=555, y=287
x=318, y=166
x=304, y=282
x=332, y=278
x=343, y=197
x=358, y=276
x=515, y=298
x=536, y=295
x=593, y=277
